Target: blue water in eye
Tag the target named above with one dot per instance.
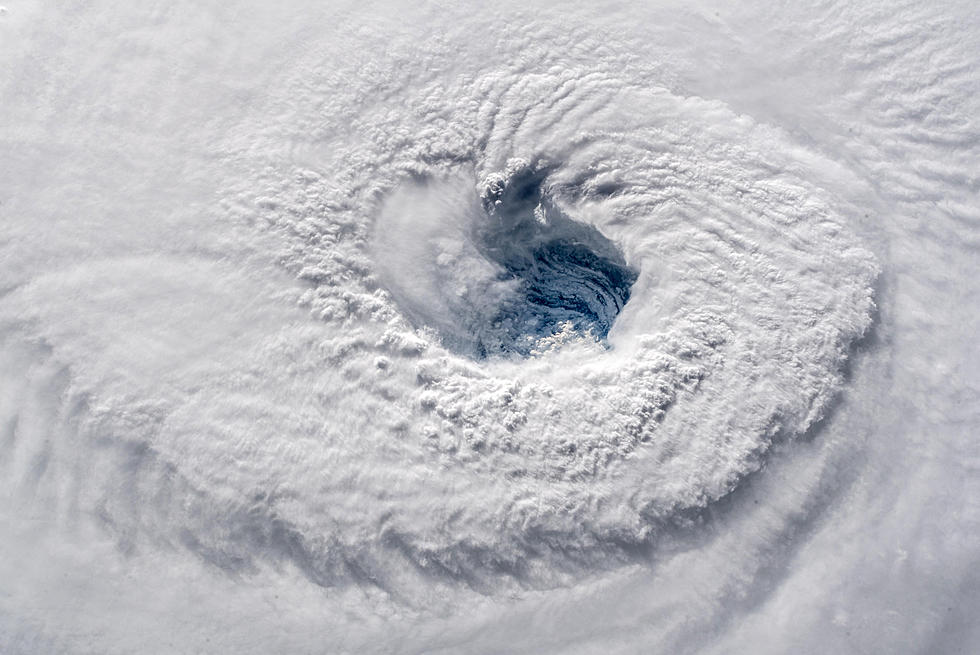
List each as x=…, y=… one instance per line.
x=567, y=272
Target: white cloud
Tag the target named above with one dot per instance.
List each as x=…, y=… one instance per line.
x=238, y=249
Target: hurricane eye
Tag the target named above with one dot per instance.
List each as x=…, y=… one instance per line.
x=569, y=275
x=505, y=273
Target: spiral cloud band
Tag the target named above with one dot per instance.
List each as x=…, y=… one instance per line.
x=376, y=328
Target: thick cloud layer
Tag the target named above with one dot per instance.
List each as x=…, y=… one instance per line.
x=390, y=329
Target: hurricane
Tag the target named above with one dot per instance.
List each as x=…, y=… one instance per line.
x=455, y=328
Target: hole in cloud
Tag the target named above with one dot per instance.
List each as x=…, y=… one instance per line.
x=569, y=277
x=511, y=275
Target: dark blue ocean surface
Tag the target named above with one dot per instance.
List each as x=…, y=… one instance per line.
x=567, y=273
